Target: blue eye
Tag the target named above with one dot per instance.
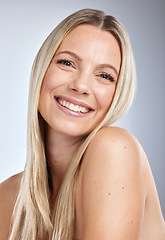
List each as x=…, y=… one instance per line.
x=65, y=62
x=107, y=76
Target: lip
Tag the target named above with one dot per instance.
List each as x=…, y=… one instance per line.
x=75, y=102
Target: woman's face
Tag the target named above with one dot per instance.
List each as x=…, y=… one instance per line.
x=80, y=82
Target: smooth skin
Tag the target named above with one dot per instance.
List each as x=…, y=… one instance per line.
x=116, y=197
x=116, y=194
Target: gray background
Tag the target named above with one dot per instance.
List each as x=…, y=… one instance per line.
x=24, y=25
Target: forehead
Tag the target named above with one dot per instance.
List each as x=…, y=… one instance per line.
x=85, y=32
x=91, y=42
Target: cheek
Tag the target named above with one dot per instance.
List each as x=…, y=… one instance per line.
x=105, y=97
x=50, y=82
x=54, y=78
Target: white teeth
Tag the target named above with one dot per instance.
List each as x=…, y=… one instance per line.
x=76, y=108
x=73, y=107
x=67, y=104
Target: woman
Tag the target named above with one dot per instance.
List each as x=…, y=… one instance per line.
x=83, y=179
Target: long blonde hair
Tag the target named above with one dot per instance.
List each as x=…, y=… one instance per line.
x=31, y=217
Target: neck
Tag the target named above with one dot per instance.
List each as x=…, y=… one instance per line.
x=60, y=150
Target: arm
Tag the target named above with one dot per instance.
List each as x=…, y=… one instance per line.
x=112, y=187
x=8, y=193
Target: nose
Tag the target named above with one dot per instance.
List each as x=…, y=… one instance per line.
x=80, y=84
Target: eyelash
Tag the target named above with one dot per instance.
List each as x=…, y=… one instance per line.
x=68, y=63
x=107, y=76
x=65, y=62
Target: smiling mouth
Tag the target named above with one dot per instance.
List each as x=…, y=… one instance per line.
x=73, y=107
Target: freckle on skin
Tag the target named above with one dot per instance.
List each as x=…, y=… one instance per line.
x=109, y=193
x=125, y=147
x=122, y=187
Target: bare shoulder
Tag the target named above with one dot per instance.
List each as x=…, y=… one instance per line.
x=8, y=194
x=10, y=187
x=117, y=187
x=117, y=136
x=114, y=142
x=113, y=171
x=117, y=152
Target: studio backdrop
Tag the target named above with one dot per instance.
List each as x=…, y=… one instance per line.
x=23, y=27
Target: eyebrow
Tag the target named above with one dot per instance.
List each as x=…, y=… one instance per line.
x=104, y=65
x=70, y=53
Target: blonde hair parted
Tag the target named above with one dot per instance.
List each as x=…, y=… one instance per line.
x=32, y=218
